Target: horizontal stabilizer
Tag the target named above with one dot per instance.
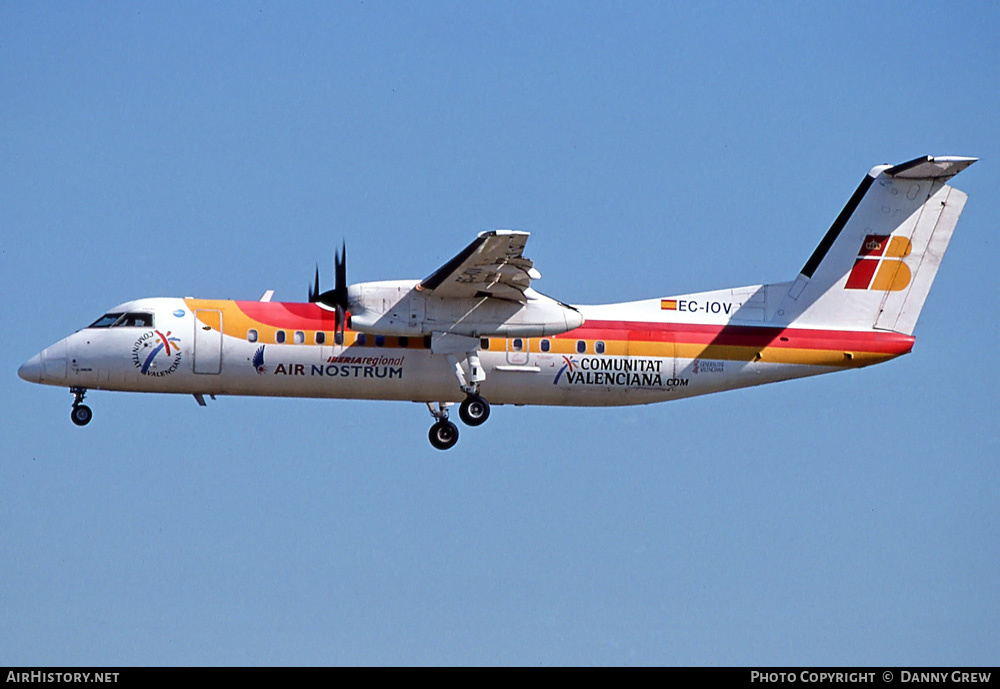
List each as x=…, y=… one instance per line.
x=929, y=167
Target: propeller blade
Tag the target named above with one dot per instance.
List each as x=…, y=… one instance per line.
x=314, y=289
x=340, y=277
x=340, y=287
x=340, y=321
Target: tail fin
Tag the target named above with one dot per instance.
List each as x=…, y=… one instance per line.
x=875, y=265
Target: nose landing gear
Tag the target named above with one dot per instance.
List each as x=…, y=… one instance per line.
x=80, y=414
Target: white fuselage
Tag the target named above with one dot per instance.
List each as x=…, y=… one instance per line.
x=193, y=348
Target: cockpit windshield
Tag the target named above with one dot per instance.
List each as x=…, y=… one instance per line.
x=106, y=321
x=127, y=320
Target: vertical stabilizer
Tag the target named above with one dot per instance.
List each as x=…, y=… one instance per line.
x=875, y=265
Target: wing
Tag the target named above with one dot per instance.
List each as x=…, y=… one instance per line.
x=491, y=266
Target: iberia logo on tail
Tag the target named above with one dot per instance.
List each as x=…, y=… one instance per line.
x=880, y=265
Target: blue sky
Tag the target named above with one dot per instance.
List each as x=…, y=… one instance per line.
x=651, y=149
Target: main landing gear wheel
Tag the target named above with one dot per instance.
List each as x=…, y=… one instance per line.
x=443, y=435
x=81, y=414
x=474, y=410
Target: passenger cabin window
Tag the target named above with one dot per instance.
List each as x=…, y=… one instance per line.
x=380, y=340
x=599, y=348
x=484, y=343
x=581, y=346
x=404, y=341
x=300, y=337
x=517, y=345
x=546, y=345
x=251, y=335
x=279, y=337
x=360, y=340
x=338, y=337
x=320, y=338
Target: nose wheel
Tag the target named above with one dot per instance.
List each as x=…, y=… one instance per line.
x=80, y=414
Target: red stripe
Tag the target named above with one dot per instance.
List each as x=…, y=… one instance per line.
x=289, y=315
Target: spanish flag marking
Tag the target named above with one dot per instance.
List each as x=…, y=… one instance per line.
x=668, y=304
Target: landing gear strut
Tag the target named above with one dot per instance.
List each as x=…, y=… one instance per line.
x=80, y=414
x=443, y=434
x=475, y=409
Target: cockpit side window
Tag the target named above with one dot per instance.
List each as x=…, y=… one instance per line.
x=135, y=320
x=127, y=320
x=106, y=321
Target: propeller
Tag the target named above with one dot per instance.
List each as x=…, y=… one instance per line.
x=336, y=298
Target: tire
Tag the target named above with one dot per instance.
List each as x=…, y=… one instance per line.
x=443, y=435
x=474, y=411
x=81, y=414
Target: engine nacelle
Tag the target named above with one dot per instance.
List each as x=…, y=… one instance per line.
x=398, y=308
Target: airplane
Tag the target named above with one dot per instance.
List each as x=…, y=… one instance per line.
x=475, y=333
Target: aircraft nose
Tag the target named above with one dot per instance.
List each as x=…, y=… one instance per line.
x=31, y=370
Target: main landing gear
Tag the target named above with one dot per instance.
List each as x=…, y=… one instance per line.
x=80, y=414
x=463, y=356
x=444, y=434
x=474, y=410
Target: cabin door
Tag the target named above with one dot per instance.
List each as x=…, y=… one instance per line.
x=517, y=351
x=207, y=341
